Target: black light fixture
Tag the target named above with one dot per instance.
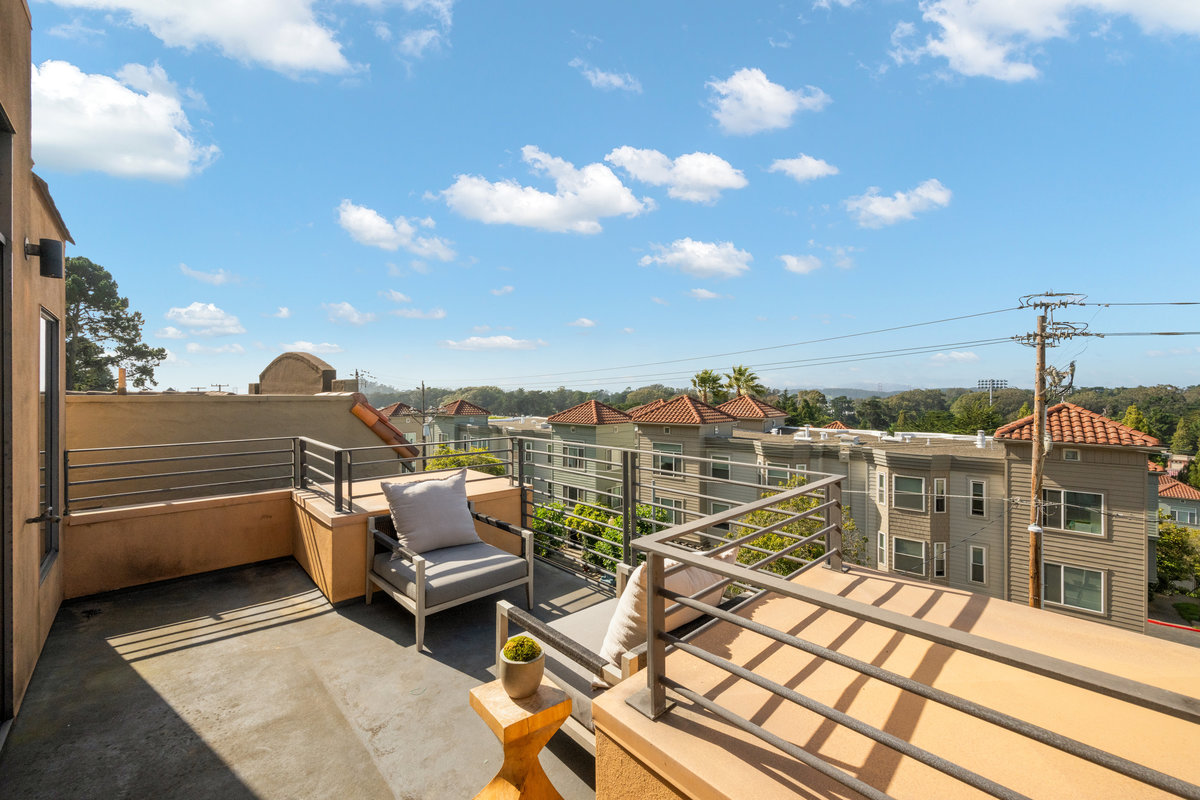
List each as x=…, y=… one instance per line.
x=50, y=256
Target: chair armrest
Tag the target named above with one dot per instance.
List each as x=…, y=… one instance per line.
x=387, y=541
x=525, y=534
x=633, y=661
x=561, y=643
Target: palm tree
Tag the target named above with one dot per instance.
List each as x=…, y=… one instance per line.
x=743, y=381
x=707, y=384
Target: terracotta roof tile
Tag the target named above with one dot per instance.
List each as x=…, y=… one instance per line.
x=1071, y=424
x=1178, y=490
x=462, y=408
x=683, y=410
x=1155, y=467
x=746, y=407
x=392, y=410
x=633, y=412
x=838, y=425
x=591, y=412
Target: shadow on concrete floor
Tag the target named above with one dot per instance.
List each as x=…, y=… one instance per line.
x=1162, y=609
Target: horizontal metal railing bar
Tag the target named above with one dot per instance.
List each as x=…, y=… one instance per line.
x=1074, y=747
x=152, y=475
x=318, y=457
x=902, y=746
x=1115, y=686
x=567, y=553
x=189, y=457
x=311, y=468
x=194, y=444
x=798, y=753
x=774, y=555
x=398, y=460
x=141, y=492
x=422, y=445
x=593, y=536
x=816, y=562
x=685, y=476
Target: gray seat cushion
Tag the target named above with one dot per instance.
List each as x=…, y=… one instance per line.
x=587, y=627
x=452, y=573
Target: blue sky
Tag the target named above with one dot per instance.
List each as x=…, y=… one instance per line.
x=541, y=194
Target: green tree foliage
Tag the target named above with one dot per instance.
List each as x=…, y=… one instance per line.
x=603, y=552
x=872, y=414
x=854, y=544
x=1187, y=435
x=1022, y=412
x=977, y=415
x=477, y=458
x=709, y=385
x=742, y=380
x=842, y=409
x=1135, y=419
x=1191, y=473
x=1177, y=553
x=102, y=333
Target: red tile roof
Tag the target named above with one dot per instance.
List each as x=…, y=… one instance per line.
x=746, y=407
x=1155, y=467
x=633, y=412
x=1178, y=490
x=683, y=410
x=838, y=425
x=374, y=419
x=462, y=408
x=392, y=410
x=591, y=412
x=1071, y=424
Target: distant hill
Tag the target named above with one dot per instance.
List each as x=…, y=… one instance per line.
x=858, y=394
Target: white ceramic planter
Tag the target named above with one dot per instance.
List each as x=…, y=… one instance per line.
x=521, y=678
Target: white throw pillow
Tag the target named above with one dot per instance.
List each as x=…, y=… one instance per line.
x=432, y=514
x=627, y=629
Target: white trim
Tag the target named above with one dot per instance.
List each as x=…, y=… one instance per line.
x=939, y=495
x=881, y=486
x=663, y=453
x=907, y=555
x=897, y=493
x=728, y=467
x=971, y=564
x=715, y=507
x=881, y=550
x=939, y=559
x=1071, y=454
x=971, y=498
x=1060, y=503
x=1062, y=585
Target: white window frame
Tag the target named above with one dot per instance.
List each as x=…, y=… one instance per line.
x=1189, y=513
x=1062, y=568
x=1059, y=503
x=1071, y=454
x=939, y=559
x=881, y=550
x=976, y=548
x=895, y=568
x=727, y=460
x=780, y=470
x=939, y=495
x=663, y=455
x=896, y=493
x=715, y=507
x=572, y=455
x=972, y=498
x=881, y=486
x=572, y=490
x=674, y=503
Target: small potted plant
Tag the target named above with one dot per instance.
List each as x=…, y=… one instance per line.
x=521, y=664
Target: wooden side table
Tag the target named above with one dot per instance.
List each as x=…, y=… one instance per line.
x=523, y=728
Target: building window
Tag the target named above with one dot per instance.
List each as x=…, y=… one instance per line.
x=908, y=493
x=673, y=507
x=571, y=493
x=977, y=566
x=720, y=467
x=1074, y=587
x=49, y=448
x=1081, y=512
x=667, y=431
x=664, y=463
x=1070, y=455
x=908, y=555
x=776, y=474
x=881, y=487
x=1187, y=516
x=978, y=491
x=939, y=559
x=717, y=508
x=881, y=547
x=528, y=457
x=572, y=456
x=939, y=495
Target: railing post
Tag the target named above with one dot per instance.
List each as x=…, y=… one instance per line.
x=66, y=491
x=833, y=521
x=652, y=701
x=298, y=450
x=350, y=480
x=337, y=479
x=519, y=450
x=628, y=506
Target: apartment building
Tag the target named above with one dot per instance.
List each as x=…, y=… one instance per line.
x=1179, y=501
x=460, y=421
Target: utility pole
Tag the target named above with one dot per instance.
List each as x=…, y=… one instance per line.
x=1047, y=333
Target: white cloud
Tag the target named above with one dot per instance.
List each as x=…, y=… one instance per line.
x=309, y=347
x=998, y=38
x=873, y=210
x=626, y=330
x=703, y=294
x=367, y=226
x=493, y=343
x=415, y=43
x=583, y=322
x=75, y=29
x=344, y=312
x=954, y=357
x=746, y=102
x=607, y=81
x=803, y=168
x=170, y=332
x=394, y=296
x=695, y=177
x=283, y=35
x=503, y=290
x=801, y=265
x=702, y=259
x=659, y=301
x=205, y=319
x=132, y=126
x=218, y=278
x=416, y=313
x=581, y=198
x=193, y=347
x=283, y=313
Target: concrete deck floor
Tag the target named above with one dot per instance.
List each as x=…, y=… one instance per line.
x=248, y=684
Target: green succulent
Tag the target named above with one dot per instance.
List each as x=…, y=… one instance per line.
x=521, y=648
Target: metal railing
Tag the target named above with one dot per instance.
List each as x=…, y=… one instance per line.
x=760, y=579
